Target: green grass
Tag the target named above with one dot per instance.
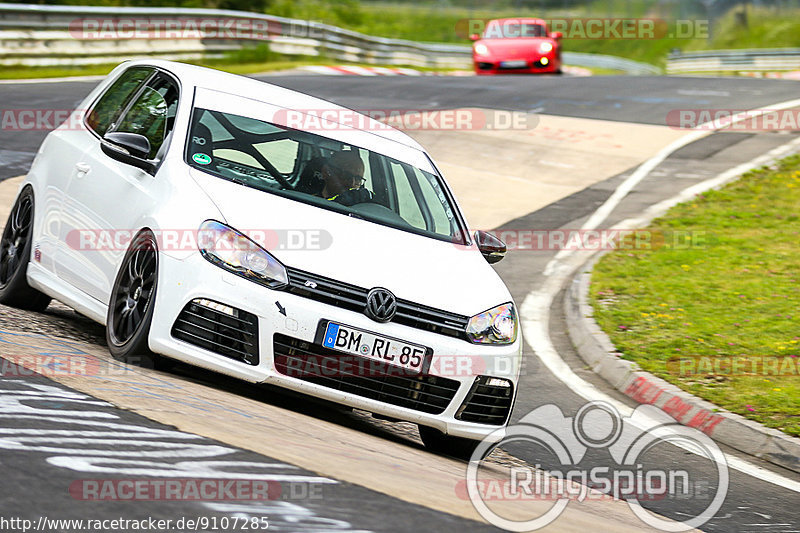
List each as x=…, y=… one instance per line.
x=735, y=292
x=766, y=29
x=597, y=71
x=25, y=73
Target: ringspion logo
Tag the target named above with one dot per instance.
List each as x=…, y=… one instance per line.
x=633, y=443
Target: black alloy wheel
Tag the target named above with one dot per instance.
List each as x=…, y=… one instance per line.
x=130, y=310
x=15, y=253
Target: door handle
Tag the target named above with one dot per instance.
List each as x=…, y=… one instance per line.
x=82, y=169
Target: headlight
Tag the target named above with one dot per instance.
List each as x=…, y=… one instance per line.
x=481, y=49
x=495, y=326
x=545, y=47
x=229, y=249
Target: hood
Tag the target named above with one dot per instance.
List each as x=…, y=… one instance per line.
x=520, y=45
x=421, y=269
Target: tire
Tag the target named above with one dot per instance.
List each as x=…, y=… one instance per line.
x=15, y=254
x=130, y=310
x=438, y=442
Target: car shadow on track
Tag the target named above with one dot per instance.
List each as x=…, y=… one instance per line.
x=61, y=322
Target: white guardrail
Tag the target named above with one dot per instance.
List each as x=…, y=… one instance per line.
x=611, y=62
x=39, y=35
x=763, y=59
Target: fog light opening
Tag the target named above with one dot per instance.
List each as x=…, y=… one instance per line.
x=497, y=382
x=215, y=306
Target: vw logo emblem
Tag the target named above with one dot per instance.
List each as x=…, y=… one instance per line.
x=381, y=305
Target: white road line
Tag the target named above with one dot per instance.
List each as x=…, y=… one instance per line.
x=633, y=180
x=535, y=309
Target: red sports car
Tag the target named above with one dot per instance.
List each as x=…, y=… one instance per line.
x=520, y=45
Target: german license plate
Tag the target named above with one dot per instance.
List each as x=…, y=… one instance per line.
x=388, y=350
x=517, y=63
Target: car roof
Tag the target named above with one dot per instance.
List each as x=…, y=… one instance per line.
x=192, y=76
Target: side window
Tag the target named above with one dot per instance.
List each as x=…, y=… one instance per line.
x=152, y=113
x=436, y=201
x=407, y=204
x=102, y=116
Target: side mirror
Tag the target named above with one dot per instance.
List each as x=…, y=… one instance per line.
x=492, y=248
x=474, y=37
x=129, y=148
x=557, y=35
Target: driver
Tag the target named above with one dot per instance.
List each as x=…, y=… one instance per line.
x=343, y=176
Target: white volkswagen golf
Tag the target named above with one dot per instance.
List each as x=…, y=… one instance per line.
x=184, y=209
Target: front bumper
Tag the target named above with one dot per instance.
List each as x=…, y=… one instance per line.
x=537, y=64
x=283, y=317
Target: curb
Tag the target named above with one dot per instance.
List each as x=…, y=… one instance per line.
x=338, y=70
x=596, y=349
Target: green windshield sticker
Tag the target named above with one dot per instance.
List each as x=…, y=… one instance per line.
x=201, y=159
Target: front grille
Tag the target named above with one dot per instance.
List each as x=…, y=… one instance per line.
x=485, y=66
x=220, y=329
x=487, y=404
x=327, y=290
x=354, y=298
x=363, y=377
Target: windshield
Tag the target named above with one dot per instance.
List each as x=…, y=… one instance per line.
x=511, y=30
x=320, y=171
